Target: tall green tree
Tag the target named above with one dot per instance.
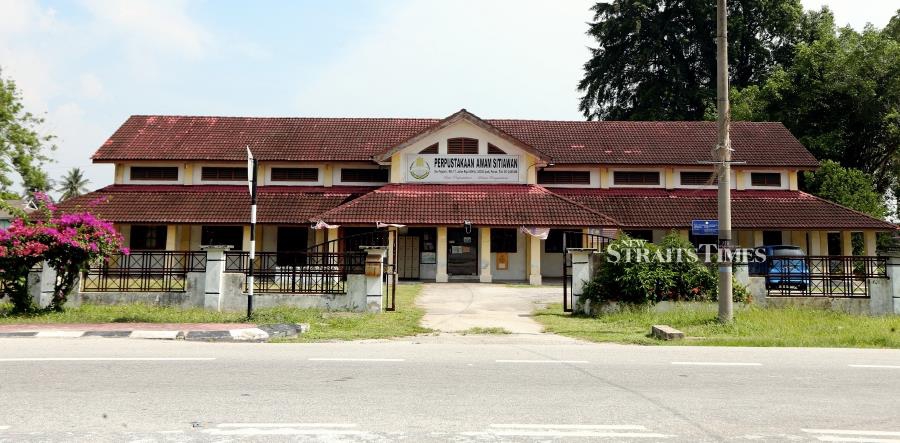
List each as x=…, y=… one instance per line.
x=841, y=98
x=846, y=186
x=656, y=59
x=73, y=184
x=22, y=147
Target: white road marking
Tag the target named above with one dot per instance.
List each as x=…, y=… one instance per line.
x=286, y=425
x=713, y=363
x=875, y=366
x=156, y=335
x=609, y=434
x=59, y=334
x=540, y=361
x=851, y=435
x=250, y=429
x=357, y=359
x=579, y=427
x=106, y=359
x=4, y=427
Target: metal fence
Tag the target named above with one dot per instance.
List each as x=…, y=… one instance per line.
x=820, y=276
x=143, y=271
x=321, y=269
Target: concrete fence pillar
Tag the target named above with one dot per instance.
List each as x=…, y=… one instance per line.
x=374, y=277
x=47, y=284
x=215, y=271
x=893, y=273
x=582, y=273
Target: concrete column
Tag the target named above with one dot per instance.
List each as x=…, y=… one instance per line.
x=846, y=243
x=47, y=285
x=893, y=273
x=484, y=255
x=534, y=260
x=871, y=243
x=441, y=273
x=245, y=244
x=815, y=243
x=171, y=237
x=798, y=238
x=392, y=237
x=374, y=273
x=320, y=236
x=581, y=273
x=215, y=270
x=757, y=238
x=332, y=234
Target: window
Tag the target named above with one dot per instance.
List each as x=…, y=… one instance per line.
x=554, y=242
x=698, y=178
x=364, y=175
x=640, y=234
x=765, y=179
x=503, y=240
x=495, y=150
x=216, y=173
x=223, y=235
x=162, y=173
x=433, y=149
x=148, y=237
x=636, y=178
x=545, y=177
x=295, y=174
x=771, y=238
x=462, y=145
x=291, y=245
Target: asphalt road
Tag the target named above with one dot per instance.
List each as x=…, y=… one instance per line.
x=445, y=388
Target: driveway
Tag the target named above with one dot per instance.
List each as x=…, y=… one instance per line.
x=453, y=307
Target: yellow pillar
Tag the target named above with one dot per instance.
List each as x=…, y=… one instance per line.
x=484, y=254
x=871, y=243
x=441, y=274
x=188, y=174
x=246, y=242
x=604, y=178
x=171, y=234
x=184, y=237
x=320, y=236
x=534, y=260
x=792, y=181
x=120, y=174
x=332, y=235
x=670, y=178
x=328, y=176
x=757, y=238
x=846, y=243
x=798, y=238
x=739, y=183
x=815, y=243
x=396, y=169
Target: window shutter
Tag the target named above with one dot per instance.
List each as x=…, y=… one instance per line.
x=495, y=150
x=367, y=175
x=161, y=173
x=295, y=174
x=433, y=149
x=545, y=177
x=647, y=178
x=462, y=146
x=765, y=179
x=697, y=178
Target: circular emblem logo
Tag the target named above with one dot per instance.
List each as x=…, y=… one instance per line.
x=419, y=169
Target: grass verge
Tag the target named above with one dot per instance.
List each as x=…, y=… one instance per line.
x=478, y=330
x=324, y=325
x=753, y=326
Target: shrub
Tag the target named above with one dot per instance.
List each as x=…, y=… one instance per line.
x=67, y=243
x=636, y=271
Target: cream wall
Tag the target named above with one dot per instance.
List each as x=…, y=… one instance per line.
x=517, y=262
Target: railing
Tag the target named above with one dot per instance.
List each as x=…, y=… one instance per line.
x=321, y=269
x=820, y=276
x=143, y=271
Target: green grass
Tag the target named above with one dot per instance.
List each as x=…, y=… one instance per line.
x=753, y=326
x=478, y=330
x=324, y=325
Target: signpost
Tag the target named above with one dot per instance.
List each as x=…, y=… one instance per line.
x=705, y=227
x=251, y=183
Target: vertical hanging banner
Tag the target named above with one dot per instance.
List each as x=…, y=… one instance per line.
x=446, y=168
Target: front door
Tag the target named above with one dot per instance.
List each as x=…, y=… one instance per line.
x=462, y=251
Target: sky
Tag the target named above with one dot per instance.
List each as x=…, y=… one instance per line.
x=86, y=65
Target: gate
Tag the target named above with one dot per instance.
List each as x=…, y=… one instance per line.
x=577, y=240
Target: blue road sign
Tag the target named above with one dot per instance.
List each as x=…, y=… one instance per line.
x=705, y=227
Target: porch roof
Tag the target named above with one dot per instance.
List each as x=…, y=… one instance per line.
x=661, y=208
x=485, y=205
x=210, y=204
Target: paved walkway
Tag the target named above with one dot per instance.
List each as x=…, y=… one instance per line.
x=454, y=307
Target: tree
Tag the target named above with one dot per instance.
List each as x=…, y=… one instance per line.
x=846, y=186
x=73, y=184
x=656, y=60
x=22, y=147
x=841, y=98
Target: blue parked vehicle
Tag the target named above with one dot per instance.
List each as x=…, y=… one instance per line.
x=785, y=267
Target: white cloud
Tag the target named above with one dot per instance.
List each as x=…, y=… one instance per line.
x=91, y=86
x=152, y=24
x=497, y=59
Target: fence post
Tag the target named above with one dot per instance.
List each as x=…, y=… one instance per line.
x=893, y=273
x=581, y=274
x=47, y=284
x=374, y=272
x=215, y=270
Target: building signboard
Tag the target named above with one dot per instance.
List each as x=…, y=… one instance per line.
x=705, y=227
x=445, y=168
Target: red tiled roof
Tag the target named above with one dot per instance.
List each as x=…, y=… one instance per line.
x=211, y=204
x=660, y=208
x=145, y=137
x=495, y=205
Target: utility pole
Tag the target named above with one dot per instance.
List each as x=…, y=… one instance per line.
x=723, y=149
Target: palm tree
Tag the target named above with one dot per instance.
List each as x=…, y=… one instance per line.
x=73, y=184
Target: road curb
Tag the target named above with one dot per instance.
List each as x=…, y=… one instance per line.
x=262, y=333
